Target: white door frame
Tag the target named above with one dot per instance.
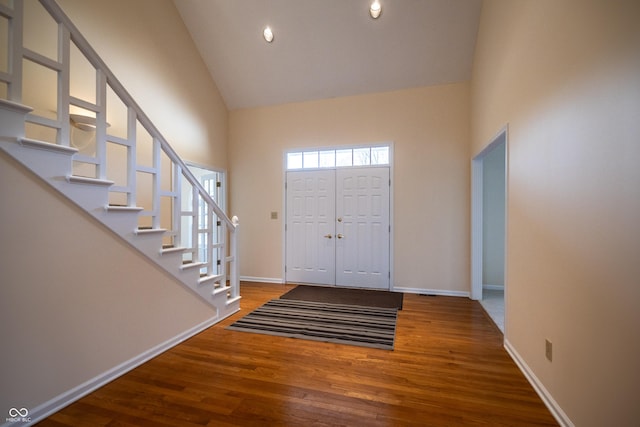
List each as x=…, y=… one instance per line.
x=391, y=205
x=477, y=166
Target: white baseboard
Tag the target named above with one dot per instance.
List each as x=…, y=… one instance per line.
x=544, y=394
x=431, y=292
x=493, y=287
x=261, y=279
x=57, y=403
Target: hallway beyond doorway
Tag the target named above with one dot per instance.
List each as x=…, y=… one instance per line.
x=493, y=303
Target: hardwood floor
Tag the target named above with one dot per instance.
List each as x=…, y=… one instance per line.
x=448, y=368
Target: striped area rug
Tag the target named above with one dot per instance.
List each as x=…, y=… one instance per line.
x=336, y=323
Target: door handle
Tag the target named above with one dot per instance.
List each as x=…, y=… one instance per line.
x=339, y=235
x=328, y=236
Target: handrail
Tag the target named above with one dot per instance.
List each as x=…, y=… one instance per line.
x=58, y=14
x=68, y=33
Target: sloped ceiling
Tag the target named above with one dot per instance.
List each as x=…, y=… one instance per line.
x=330, y=48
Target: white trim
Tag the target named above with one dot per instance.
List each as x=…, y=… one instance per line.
x=477, y=167
x=57, y=403
x=392, y=230
x=283, y=219
x=261, y=279
x=492, y=287
x=431, y=292
x=549, y=401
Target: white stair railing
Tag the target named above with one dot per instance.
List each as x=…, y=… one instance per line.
x=156, y=182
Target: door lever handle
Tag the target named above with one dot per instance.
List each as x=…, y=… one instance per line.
x=328, y=236
x=339, y=235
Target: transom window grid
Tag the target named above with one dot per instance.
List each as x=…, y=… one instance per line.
x=379, y=155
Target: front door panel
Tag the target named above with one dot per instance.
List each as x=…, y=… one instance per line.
x=310, y=250
x=362, y=228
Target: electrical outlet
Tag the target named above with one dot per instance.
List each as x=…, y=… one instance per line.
x=548, y=351
x=274, y=215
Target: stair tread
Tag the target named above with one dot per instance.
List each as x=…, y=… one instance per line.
x=124, y=208
x=190, y=265
x=16, y=106
x=221, y=290
x=49, y=146
x=88, y=180
x=145, y=230
x=210, y=277
x=172, y=249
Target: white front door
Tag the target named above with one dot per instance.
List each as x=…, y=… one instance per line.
x=362, y=228
x=337, y=227
x=310, y=250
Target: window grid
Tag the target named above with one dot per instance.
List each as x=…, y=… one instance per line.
x=340, y=157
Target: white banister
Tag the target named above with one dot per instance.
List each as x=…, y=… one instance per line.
x=225, y=245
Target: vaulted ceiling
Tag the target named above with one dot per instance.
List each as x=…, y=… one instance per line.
x=330, y=48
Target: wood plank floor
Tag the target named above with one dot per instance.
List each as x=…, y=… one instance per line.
x=448, y=368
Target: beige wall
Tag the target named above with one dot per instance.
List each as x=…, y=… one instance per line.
x=565, y=76
x=430, y=131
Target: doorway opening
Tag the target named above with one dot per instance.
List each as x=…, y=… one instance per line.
x=489, y=219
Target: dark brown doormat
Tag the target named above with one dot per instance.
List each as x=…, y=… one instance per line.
x=346, y=296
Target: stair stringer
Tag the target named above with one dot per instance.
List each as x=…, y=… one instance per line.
x=53, y=164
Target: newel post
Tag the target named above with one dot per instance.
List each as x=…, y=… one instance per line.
x=235, y=269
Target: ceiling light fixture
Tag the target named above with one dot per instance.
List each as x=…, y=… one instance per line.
x=268, y=34
x=376, y=9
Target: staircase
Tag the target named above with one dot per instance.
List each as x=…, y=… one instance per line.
x=127, y=176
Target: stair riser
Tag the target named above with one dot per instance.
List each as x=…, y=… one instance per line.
x=12, y=119
x=121, y=223
x=92, y=199
x=46, y=164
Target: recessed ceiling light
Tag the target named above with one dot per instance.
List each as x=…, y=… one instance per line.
x=375, y=10
x=268, y=34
